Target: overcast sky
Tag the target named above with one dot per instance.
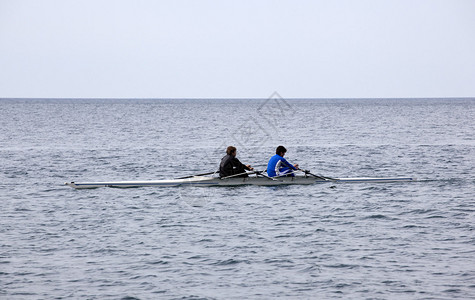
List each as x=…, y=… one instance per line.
x=219, y=49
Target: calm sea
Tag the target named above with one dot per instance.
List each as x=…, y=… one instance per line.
x=413, y=240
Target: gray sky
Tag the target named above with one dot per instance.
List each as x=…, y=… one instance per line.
x=219, y=49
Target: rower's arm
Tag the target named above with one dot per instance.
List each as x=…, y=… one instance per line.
x=288, y=164
x=245, y=167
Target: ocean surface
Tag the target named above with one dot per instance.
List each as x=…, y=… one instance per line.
x=411, y=240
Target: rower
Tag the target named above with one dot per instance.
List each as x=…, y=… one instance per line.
x=230, y=165
x=279, y=166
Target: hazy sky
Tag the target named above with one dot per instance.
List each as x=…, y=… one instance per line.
x=216, y=49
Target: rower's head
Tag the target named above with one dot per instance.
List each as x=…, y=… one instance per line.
x=231, y=150
x=280, y=151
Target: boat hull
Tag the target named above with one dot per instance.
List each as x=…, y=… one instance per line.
x=214, y=181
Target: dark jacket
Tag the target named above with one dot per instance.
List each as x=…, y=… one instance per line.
x=230, y=165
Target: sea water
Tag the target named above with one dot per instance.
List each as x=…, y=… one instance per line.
x=411, y=240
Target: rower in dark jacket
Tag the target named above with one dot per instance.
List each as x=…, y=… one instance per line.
x=230, y=165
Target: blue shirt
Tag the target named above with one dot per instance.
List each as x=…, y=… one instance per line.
x=277, y=164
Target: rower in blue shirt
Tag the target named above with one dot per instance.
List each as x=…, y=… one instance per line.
x=279, y=166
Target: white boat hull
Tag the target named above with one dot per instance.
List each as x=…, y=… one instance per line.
x=214, y=181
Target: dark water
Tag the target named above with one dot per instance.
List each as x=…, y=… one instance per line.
x=355, y=241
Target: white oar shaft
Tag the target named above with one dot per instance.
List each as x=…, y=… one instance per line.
x=240, y=174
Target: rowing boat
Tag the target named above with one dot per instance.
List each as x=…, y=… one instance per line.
x=233, y=181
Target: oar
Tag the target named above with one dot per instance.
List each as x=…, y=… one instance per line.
x=286, y=174
x=197, y=175
x=240, y=174
x=252, y=172
x=317, y=176
x=260, y=173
